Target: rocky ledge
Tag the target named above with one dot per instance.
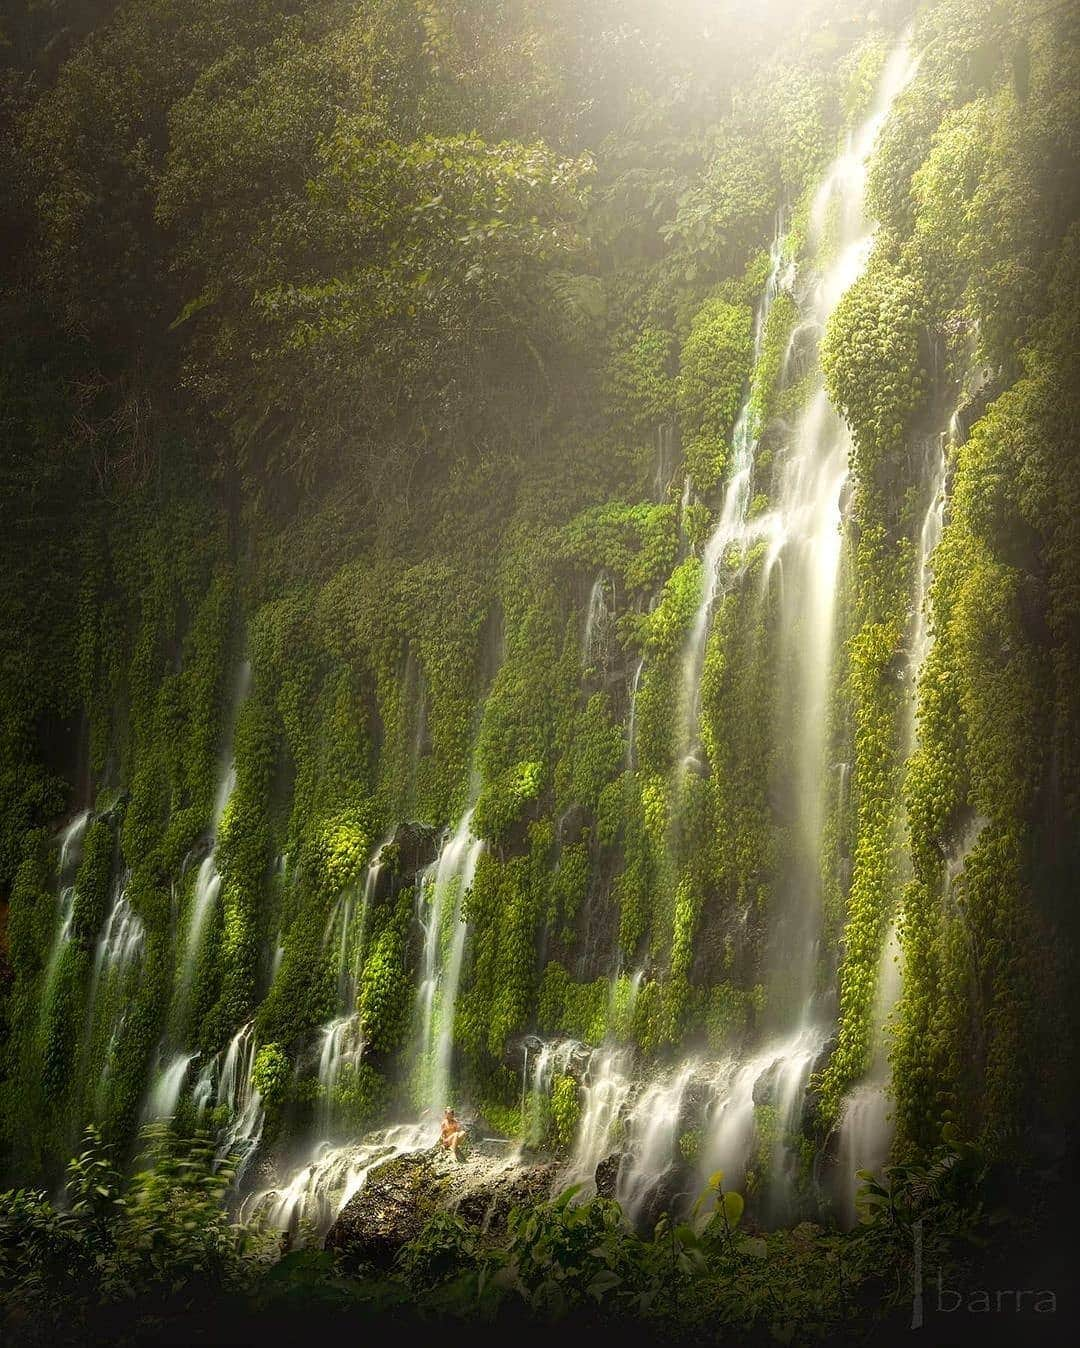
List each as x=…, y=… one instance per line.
x=401, y=1196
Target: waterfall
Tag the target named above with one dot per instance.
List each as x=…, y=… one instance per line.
x=443, y=886
x=631, y=726
x=168, y=1083
x=865, y=1128
x=119, y=948
x=172, y=1069
x=652, y=1139
x=208, y=881
x=594, y=641
x=732, y=527
x=774, y=1078
x=237, y=1093
x=809, y=483
x=606, y=1087
x=317, y=1192
x=67, y=863
x=929, y=536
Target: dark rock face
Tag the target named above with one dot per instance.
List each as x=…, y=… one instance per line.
x=607, y=1175
x=414, y=846
x=390, y=1210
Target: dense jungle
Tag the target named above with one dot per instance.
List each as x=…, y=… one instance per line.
x=540, y=670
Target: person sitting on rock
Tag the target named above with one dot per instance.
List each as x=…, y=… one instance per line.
x=451, y=1133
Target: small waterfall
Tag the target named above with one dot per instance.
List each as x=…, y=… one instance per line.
x=809, y=483
x=929, y=537
x=865, y=1129
x=775, y=1078
x=652, y=1139
x=631, y=726
x=606, y=1088
x=237, y=1093
x=731, y=527
x=665, y=458
x=348, y=928
x=67, y=864
x=208, y=881
x=317, y=1192
x=341, y=1044
x=442, y=887
x=594, y=641
x=225, y=1083
x=119, y=947
x=168, y=1084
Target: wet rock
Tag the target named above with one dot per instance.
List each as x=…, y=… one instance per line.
x=390, y=1210
x=674, y=1192
x=413, y=846
x=571, y=825
x=486, y=1199
x=607, y=1175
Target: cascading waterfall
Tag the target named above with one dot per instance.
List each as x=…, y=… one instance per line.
x=594, y=640
x=208, y=881
x=440, y=895
x=67, y=863
x=805, y=553
x=865, y=1128
x=171, y=1073
x=117, y=955
x=732, y=527
x=320, y=1188
x=341, y=1040
x=607, y=1085
x=652, y=1139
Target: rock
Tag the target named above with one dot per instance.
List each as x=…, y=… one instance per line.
x=413, y=846
x=571, y=825
x=390, y=1210
x=607, y=1175
x=485, y=1200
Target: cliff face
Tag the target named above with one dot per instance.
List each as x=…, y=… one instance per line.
x=576, y=618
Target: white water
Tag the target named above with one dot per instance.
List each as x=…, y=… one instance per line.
x=119, y=946
x=208, y=881
x=594, y=641
x=67, y=864
x=606, y=1088
x=348, y=926
x=168, y=1083
x=732, y=528
x=241, y=1135
x=631, y=726
x=866, y=1127
x=442, y=887
x=809, y=484
x=866, y=1124
x=341, y=1045
x=778, y=1076
x=652, y=1130
x=319, y=1190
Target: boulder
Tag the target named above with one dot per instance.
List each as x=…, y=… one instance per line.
x=606, y=1175
x=485, y=1201
x=390, y=1210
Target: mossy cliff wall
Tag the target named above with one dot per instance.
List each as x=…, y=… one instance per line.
x=387, y=413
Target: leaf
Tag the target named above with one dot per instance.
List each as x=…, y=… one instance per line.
x=716, y=1179
x=732, y=1204
x=603, y=1282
